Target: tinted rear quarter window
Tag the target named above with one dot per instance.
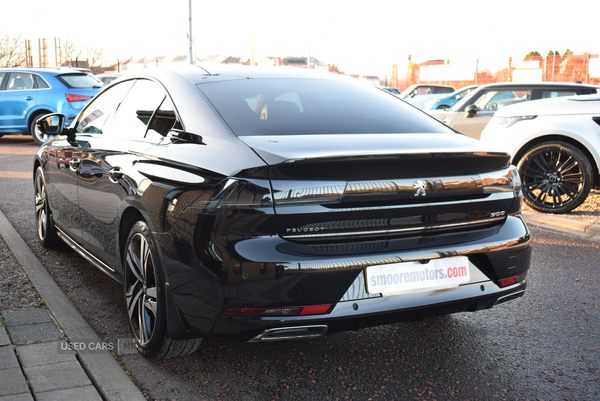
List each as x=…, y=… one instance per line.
x=40, y=83
x=313, y=106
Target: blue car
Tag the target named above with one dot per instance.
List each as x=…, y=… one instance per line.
x=29, y=93
x=450, y=100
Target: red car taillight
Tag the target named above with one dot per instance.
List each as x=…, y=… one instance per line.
x=280, y=311
x=77, y=98
x=505, y=282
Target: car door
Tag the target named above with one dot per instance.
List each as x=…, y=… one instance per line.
x=68, y=154
x=107, y=175
x=17, y=97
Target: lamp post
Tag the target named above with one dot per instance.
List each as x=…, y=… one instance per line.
x=191, y=40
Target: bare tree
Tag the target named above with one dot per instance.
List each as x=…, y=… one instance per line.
x=69, y=52
x=12, y=51
x=95, y=56
x=72, y=53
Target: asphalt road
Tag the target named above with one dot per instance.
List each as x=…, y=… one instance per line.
x=543, y=346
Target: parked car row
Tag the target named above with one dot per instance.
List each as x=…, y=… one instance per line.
x=471, y=114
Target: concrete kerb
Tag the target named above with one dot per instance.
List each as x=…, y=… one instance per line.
x=107, y=375
x=561, y=222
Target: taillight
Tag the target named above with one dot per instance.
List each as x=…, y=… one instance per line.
x=505, y=282
x=280, y=311
x=77, y=98
x=506, y=180
x=294, y=193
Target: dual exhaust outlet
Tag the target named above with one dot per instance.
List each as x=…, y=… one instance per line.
x=290, y=333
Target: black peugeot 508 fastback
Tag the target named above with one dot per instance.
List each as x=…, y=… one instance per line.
x=281, y=203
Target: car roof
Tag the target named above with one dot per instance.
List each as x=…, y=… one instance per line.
x=204, y=73
x=535, y=85
x=46, y=70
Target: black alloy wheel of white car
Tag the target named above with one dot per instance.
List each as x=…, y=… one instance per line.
x=557, y=177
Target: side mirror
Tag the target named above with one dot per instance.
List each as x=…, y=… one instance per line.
x=51, y=124
x=471, y=110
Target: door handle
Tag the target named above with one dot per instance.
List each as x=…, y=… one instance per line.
x=28, y=98
x=74, y=164
x=115, y=174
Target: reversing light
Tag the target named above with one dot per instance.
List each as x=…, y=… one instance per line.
x=280, y=311
x=505, y=282
x=77, y=98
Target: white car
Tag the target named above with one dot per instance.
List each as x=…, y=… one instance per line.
x=419, y=94
x=555, y=144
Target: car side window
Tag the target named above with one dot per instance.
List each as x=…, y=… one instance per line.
x=1, y=78
x=495, y=99
x=164, y=120
x=20, y=81
x=94, y=117
x=557, y=93
x=136, y=111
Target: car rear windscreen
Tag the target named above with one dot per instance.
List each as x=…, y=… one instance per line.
x=79, y=81
x=313, y=106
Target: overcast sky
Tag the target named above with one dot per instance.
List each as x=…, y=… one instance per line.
x=361, y=37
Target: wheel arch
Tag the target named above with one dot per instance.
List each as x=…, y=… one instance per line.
x=129, y=217
x=549, y=138
x=36, y=113
x=177, y=327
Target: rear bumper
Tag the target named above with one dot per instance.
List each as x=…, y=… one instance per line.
x=264, y=275
x=357, y=314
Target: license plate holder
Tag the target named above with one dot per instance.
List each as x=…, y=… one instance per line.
x=411, y=277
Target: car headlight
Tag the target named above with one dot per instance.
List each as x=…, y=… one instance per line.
x=505, y=122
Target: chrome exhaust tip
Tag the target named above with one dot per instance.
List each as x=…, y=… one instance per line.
x=290, y=333
x=509, y=297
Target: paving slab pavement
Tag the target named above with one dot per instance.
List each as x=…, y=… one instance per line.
x=51, y=353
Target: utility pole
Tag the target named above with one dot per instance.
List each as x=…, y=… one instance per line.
x=191, y=40
x=308, y=60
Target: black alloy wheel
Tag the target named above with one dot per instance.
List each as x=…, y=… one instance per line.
x=43, y=219
x=557, y=177
x=145, y=298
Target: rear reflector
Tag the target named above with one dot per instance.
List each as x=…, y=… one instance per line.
x=77, y=98
x=283, y=311
x=505, y=282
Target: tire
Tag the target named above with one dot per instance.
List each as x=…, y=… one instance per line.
x=35, y=132
x=557, y=177
x=144, y=288
x=43, y=218
x=443, y=107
